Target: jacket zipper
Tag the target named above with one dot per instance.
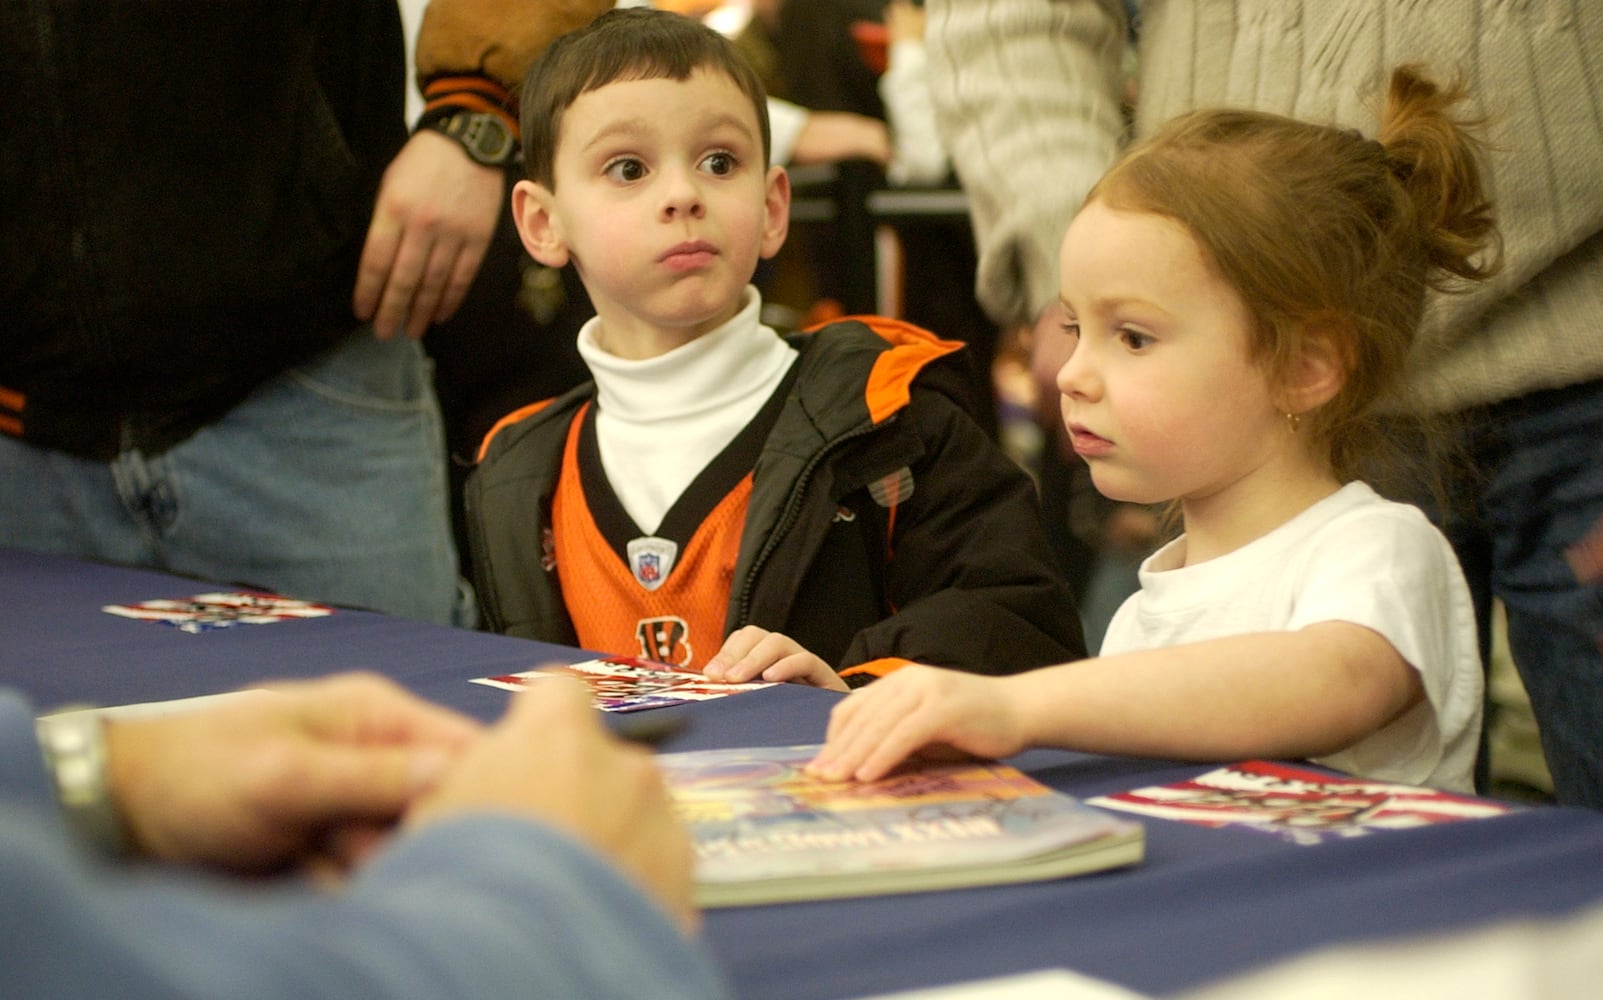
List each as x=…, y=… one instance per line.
x=788, y=517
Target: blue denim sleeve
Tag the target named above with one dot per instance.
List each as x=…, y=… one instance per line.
x=22, y=767
x=482, y=907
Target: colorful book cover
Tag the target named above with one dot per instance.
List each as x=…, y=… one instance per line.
x=205, y=612
x=766, y=831
x=1299, y=805
x=627, y=683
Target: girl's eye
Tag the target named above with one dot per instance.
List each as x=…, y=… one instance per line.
x=1135, y=340
x=1071, y=328
x=625, y=169
x=719, y=164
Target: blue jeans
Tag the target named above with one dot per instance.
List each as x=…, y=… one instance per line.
x=328, y=483
x=1539, y=487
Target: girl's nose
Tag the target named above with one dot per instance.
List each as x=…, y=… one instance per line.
x=1077, y=376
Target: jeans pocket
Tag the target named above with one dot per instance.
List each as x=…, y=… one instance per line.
x=365, y=373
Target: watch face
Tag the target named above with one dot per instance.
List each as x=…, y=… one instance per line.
x=485, y=137
x=490, y=137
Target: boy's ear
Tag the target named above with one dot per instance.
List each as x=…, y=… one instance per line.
x=1319, y=371
x=776, y=211
x=538, y=227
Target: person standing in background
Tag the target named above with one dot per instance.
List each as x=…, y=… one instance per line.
x=1028, y=93
x=215, y=264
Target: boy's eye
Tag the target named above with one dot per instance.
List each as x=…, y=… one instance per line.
x=625, y=169
x=719, y=164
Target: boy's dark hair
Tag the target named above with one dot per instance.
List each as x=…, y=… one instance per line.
x=630, y=43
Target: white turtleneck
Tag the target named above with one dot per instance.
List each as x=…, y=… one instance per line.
x=660, y=420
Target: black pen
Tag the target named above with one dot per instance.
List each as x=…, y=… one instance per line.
x=651, y=729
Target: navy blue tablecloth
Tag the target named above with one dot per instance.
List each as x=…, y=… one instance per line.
x=1205, y=903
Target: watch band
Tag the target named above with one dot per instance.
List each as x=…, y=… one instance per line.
x=483, y=135
x=74, y=747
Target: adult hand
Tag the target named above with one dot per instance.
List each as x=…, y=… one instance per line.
x=833, y=136
x=922, y=710
x=1586, y=556
x=432, y=222
x=904, y=21
x=550, y=759
x=278, y=778
x=754, y=653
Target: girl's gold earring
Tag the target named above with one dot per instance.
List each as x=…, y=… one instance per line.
x=1293, y=421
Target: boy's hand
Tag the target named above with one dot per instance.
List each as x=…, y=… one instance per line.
x=754, y=653
x=922, y=710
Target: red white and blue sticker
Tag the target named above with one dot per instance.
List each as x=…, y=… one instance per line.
x=651, y=559
x=1299, y=805
x=205, y=612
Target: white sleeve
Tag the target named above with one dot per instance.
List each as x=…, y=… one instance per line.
x=785, y=123
x=917, y=154
x=1399, y=577
x=1026, y=95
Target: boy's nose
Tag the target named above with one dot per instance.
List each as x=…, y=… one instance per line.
x=682, y=199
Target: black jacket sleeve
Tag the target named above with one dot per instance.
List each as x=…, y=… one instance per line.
x=970, y=572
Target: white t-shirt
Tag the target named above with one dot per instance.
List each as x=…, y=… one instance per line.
x=1353, y=557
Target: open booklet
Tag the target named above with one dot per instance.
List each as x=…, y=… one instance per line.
x=765, y=831
x=628, y=683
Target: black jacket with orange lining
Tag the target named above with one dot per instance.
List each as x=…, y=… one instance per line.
x=958, y=573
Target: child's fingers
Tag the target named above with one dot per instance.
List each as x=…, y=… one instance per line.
x=771, y=657
x=803, y=667
x=869, y=727
x=903, y=739
x=742, y=657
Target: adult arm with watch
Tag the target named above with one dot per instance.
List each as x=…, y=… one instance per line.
x=438, y=204
x=567, y=875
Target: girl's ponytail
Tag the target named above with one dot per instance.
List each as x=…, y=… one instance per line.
x=1433, y=155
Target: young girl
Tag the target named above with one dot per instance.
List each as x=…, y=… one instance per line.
x=1242, y=290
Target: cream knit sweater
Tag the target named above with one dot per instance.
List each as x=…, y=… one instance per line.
x=1027, y=96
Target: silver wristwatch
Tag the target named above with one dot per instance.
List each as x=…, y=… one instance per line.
x=74, y=747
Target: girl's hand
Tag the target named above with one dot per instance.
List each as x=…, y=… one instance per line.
x=754, y=653
x=918, y=709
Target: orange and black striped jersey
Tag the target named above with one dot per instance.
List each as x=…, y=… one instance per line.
x=661, y=595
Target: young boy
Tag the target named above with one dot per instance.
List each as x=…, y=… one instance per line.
x=822, y=504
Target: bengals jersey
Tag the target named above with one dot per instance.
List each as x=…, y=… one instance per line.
x=661, y=595
x=875, y=519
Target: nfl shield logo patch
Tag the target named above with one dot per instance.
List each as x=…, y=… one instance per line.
x=651, y=560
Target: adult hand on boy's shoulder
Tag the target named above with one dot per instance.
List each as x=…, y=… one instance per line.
x=753, y=653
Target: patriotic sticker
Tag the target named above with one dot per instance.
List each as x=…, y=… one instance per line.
x=628, y=683
x=205, y=612
x=1298, y=805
